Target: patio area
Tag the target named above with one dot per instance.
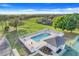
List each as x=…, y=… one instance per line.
x=33, y=45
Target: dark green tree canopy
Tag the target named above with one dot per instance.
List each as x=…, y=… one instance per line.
x=66, y=22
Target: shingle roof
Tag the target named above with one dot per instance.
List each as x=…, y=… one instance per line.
x=58, y=41
x=4, y=47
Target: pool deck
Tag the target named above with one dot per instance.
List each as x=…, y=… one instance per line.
x=52, y=32
x=38, y=52
x=33, y=46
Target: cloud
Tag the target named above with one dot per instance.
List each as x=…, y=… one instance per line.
x=51, y=11
x=25, y=10
x=43, y=11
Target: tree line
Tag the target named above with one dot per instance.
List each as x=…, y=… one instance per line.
x=67, y=22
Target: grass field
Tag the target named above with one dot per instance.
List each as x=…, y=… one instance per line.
x=30, y=26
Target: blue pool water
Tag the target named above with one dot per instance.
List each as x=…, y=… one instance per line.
x=76, y=46
x=70, y=52
x=74, y=51
x=40, y=36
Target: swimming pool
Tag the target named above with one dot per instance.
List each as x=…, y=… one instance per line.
x=70, y=52
x=37, y=38
x=74, y=51
x=76, y=46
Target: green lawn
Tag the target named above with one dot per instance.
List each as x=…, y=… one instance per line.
x=30, y=26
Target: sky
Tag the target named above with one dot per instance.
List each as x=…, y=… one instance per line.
x=39, y=8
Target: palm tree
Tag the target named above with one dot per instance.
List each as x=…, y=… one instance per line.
x=1, y=21
x=5, y=19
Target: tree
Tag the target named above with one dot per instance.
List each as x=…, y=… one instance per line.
x=4, y=20
x=58, y=22
x=66, y=22
x=71, y=24
x=77, y=19
x=15, y=22
x=1, y=21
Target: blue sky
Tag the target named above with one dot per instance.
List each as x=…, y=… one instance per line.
x=38, y=8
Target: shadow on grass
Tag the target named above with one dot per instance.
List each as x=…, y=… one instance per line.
x=14, y=42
